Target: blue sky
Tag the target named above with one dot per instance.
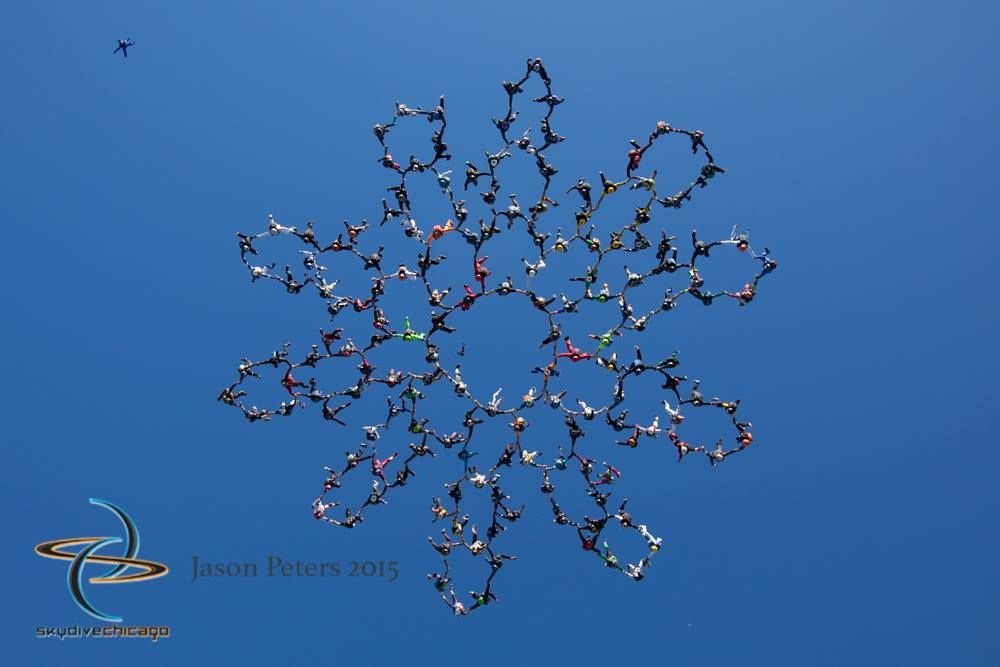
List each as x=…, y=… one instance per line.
x=858, y=139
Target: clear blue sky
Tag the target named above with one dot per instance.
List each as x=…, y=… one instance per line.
x=860, y=140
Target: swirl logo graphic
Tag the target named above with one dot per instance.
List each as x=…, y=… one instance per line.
x=88, y=546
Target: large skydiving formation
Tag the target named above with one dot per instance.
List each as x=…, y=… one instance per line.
x=391, y=470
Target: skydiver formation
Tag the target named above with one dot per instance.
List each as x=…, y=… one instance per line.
x=404, y=396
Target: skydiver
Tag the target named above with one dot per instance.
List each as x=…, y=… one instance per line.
x=707, y=173
x=274, y=228
x=262, y=272
x=634, y=157
x=331, y=413
x=701, y=248
x=123, y=45
x=675, y=414
x=769, y=264
x=572, y=353
x=532, y=269
x=229, y=397
x=718, y=455
x=618, y=423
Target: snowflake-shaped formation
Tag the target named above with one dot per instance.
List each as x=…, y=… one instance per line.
x=390, y=472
